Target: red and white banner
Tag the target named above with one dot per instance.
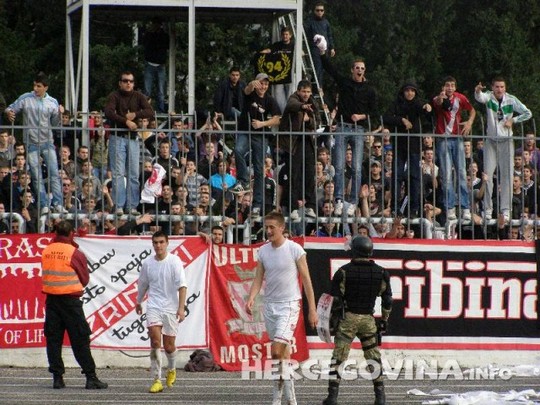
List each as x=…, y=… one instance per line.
x=473, y=295
x=109, y=298
x=22, y=305
x=237, y=336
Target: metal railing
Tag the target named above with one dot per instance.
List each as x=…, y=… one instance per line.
x=246, y=228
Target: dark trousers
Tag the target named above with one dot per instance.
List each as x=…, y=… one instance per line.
x=64, y=313
x=303, y=173
x=412, y=176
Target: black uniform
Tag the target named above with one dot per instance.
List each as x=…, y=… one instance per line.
x=358, y=284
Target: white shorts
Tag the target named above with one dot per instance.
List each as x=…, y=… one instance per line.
x=281, y=319
x=167, y=320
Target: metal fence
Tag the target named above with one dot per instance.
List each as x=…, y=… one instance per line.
x=381, y=205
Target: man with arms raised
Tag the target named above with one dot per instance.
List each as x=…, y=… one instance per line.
x=356, y=112
x=503, y=110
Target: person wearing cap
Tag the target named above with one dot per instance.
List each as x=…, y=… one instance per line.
x=380, y=182
x=404, y=118
x=373, y=152
x=261, y=112
x=65, y=274
x=356, y=286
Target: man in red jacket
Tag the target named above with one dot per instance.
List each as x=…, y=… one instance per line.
x=65, y=274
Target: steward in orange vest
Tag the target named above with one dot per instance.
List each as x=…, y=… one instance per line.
x=65, y=273
x=64, y=268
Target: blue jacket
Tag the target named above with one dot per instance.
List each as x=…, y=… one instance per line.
x=40, y=114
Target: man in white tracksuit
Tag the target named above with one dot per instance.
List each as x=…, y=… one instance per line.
x=502, y=112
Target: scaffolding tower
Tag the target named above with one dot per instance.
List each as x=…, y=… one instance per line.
x=191, y=11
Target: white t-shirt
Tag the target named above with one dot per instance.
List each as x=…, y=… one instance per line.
x=162, y=279
x=281, y=272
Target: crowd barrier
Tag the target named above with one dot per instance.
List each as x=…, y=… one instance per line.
x=393, y=203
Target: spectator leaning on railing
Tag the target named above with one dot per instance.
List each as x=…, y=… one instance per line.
x=261, y=112
x=41, y=112
x=404, y=118
x=300, y=116
x=448, y=106
x=229, y=96
x=503, y=111
x=123, y=108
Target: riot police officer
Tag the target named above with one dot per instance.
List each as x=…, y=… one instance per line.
x=357, y=285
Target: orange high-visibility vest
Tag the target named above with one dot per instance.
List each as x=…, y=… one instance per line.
x=59, y=278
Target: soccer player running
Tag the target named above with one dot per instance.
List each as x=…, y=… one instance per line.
x=280, y=262
x=164, y=278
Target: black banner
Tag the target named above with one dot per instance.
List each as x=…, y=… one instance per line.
x=277, y=65
x=449, y=291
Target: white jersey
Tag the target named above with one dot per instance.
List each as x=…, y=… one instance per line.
x=281, y=272
x=162, y=279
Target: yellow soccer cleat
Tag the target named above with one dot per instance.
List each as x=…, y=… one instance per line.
x=171, y=377
x=156, y=386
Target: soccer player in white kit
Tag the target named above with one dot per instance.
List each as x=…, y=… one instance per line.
x=280, y=261
x=164, y=278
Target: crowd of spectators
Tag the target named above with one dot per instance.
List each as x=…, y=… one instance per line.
x=387, y=172
x=209, y=200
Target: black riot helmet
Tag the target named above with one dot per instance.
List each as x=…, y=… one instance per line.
x=361, y=247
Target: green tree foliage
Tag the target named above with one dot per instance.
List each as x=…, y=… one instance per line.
x=107, y=64
x=111, y=52
x=399, y=40
x=31, y=39
x=497, y=38
x=427, y=40
x=218, y=48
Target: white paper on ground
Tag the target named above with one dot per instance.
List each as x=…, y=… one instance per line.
x=526, y=397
